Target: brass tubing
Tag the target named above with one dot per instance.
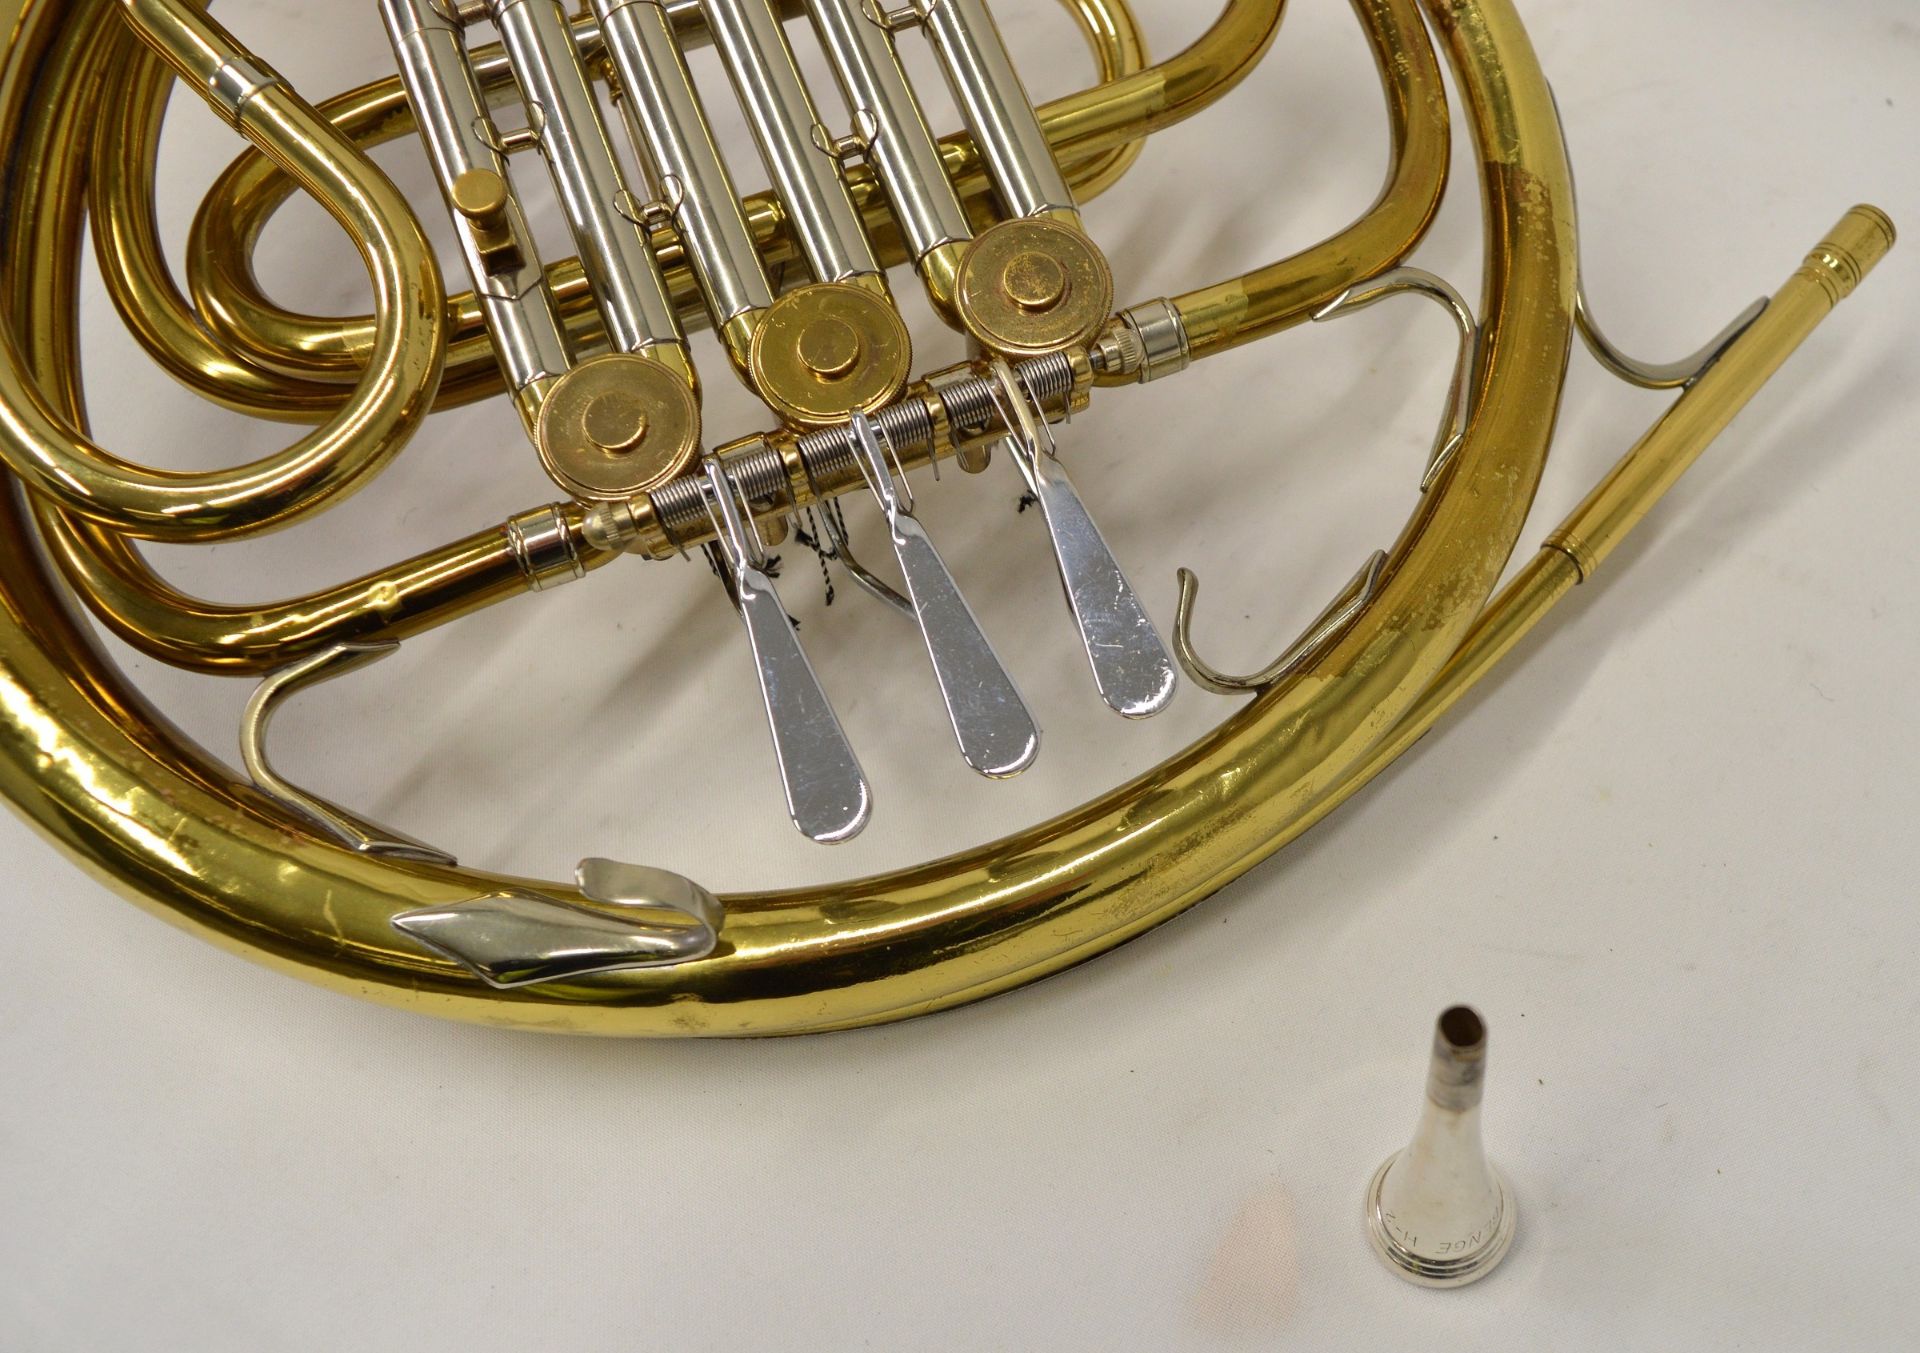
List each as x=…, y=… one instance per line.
x=160, y=620
x=1641, y=478
x=1273, y=298
x=108, y=571
x=1828, y=276
x=395, y=391
x=40, y=248
x=1119, y=50
x=133, y=264
x=395, y=602
x=1103, y=119
x=126, y=794
x=1123, y=111
x=134, y=268
x=150, y=614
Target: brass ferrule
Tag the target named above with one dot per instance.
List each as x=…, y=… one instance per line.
x=1841, y=262
x=939, y=270
x=736, y=336
x=528, y=399
x=673, y=355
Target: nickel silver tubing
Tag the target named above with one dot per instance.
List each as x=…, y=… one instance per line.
x=490, y=63
x=663, y=115
x=621, y=270
x=451, y=110
x=995, y=107
x=904, y=152
x=805, y=172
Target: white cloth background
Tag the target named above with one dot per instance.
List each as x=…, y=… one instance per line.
x=1667, y=853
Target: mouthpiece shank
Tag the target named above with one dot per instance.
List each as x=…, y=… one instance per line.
x=1837, y=265
x=1459, y=1060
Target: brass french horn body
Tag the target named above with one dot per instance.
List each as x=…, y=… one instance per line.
x=803, y=283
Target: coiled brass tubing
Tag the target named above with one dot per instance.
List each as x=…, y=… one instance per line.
x=108, y=780
x=896, y=944
x=394, y=388
x=455, y=579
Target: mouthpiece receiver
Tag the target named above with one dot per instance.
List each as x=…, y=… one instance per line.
x=1437, y=1212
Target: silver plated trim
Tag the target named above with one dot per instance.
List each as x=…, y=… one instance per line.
x=1329, y=625
x=1677, y=375
x=516, y=939
x=1460, y=391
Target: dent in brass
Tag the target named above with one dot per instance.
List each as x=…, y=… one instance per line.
x=618, y=426
x=830, y=350
x=1033, y=286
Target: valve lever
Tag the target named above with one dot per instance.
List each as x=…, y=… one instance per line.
x=827, y=794
x=1131, y=666
x=996, y=732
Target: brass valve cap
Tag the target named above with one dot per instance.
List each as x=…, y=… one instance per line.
x=1033, y=286
x=829, y=350
x=618, y=426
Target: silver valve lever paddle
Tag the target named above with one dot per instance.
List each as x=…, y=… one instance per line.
x=827, y=794
x=996, y=732
x=1131, y=666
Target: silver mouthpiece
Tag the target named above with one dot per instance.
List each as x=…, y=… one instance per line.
x=1437, y=1212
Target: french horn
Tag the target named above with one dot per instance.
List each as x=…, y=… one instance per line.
x=803, y=284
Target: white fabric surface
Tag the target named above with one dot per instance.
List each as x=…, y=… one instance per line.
x=1666, y=853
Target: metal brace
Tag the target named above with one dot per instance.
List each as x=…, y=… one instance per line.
x=510, y=938
x=1326, y=628
x=855, y=145
x=1679, y=375
x=356, y=833
x=1462, y=393
x=651, y=215
x=899, y=19
x=517, y=140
